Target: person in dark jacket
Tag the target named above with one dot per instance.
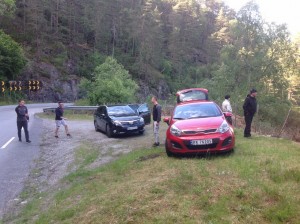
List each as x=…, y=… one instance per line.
x=250, y=107
x=156, y=120
x=22, y=120
x=60, y=119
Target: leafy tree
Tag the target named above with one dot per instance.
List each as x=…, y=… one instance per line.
x=7, y=7
x=11, y=57
x=111, y=84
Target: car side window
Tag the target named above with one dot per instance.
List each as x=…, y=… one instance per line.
x=143, y=108
x=104, y=111
x=98, y=111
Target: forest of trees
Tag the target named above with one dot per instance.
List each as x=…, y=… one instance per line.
x=184, y=43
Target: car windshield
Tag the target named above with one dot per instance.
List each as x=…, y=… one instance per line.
x=192, y=95
x=199, y=110
x=135, y=107
x=119, y=111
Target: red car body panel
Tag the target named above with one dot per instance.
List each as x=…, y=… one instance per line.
x=199, y=129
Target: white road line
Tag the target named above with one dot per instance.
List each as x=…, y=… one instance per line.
x=7, y=143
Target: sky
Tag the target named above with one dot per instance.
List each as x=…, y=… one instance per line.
x=278, y=11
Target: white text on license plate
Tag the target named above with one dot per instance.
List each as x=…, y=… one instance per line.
x=201, y=142
x=132, y=128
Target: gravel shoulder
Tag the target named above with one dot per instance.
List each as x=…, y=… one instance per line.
x=58, y=155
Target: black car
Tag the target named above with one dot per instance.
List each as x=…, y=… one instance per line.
x=118, y=119
x=143, y=111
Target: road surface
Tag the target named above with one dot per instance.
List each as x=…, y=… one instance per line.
x=17, y=157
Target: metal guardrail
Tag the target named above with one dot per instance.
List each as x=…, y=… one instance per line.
x=80, y=108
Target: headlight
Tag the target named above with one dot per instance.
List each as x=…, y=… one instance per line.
x=175, y=131
x=117, y=123
x=141, y=120
x=224, y=127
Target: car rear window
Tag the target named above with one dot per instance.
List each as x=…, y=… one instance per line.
x=192, y=95
x=199, y=110
x=119, y=111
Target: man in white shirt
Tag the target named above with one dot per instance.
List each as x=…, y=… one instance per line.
x=226, y=107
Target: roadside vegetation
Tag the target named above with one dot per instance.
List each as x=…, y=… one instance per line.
x=70, y=115
x=258, y=183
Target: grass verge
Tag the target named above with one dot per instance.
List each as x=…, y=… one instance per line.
x=259, y=183
x=70, y=115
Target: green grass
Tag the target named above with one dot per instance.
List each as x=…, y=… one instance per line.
x=70, y=115
x=258, y=183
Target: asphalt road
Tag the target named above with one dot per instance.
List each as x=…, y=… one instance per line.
x=17, y=157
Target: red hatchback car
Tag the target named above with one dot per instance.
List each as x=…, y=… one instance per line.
x=198, y=127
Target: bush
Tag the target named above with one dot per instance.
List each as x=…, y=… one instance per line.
x=11, y=57
x=111, y=84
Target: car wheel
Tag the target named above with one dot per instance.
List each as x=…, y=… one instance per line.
x=108, y=131
x=141, y=132
x=96, y=126
x=169, y=153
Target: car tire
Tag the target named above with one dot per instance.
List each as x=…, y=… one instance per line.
x=96, y=126
x=108, y=131
x=141, y=132
x=169, y=153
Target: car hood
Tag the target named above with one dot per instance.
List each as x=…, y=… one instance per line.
x=125, y=118
x=199, y=123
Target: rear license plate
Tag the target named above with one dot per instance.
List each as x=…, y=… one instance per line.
x=132, y=128
x=201, y=142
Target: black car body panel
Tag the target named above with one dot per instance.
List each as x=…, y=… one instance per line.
x=117, y=119
x=143, y=111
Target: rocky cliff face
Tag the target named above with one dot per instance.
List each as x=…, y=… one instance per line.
x=55, y=85
x=62, y=84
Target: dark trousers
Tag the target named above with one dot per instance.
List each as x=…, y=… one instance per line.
x=248, y=121
x=229, y=120
x=23, y=124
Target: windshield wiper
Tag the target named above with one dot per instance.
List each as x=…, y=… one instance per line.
x=178, y=118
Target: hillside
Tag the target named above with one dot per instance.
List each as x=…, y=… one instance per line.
x=165, y=45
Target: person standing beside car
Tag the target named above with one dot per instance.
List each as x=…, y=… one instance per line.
x=156, y=120
x=226, y=107
x=22, y=120
x=250, y=107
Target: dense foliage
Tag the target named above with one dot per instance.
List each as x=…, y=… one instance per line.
x=110, y=83
x=11, y=57
x=186, y=43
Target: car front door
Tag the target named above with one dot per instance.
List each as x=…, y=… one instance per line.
x=144, y=112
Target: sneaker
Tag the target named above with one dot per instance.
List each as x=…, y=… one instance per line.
x=28, y=141
x=56, y=136
x=20, y=140
x=68, y=135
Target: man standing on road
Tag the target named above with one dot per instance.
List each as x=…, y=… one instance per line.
x=156, y=119
x=250, y=107
x=22, y=120
x=60, y=120
x=226, y=107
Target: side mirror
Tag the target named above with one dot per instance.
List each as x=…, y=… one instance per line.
x=227, y=114
x=167, y=120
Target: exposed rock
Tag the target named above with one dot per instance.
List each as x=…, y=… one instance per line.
x=55, y=85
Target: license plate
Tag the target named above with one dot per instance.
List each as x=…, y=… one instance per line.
x=132, y=128
x=201, y=142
